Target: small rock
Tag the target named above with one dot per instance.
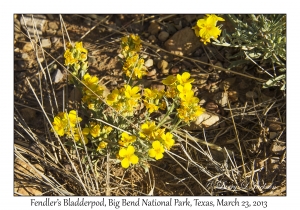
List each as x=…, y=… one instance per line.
x=175, y=70
x=251, y=94
x=50, y=32
x=25, y=56
x=212, y=107
x=171, y=29
x=277, y=149
x=206, y=120
x=28, y=24
x=272, y=135
x=275, y=127
x=227, y=83
x=152, y=38
x=183, y=42
x=233, y=96
x=178, y=170
x=54, y=39
x=162, y=64
x=154, y=28
x=201, y=78
x=27, y=47
x=163, y=36
x=46, y=43
x=149, y=63
x=53, y=25
x=151, y=73
x=58, y=76
x=221, y=98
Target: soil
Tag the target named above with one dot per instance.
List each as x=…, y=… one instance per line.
x=259, y=114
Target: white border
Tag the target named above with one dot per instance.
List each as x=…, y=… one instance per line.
x=8, y=201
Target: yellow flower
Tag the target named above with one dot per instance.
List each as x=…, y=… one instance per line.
x=147, y=128
x=150, y=94
x=170, y=80
x=168, y=140
x=183, y=89
x=59, y=126
x=128, y=156
x=132, y=92
x=74, y=118
x=89, y=80
x=184, y=78
x=102, y=145
x=188, y=98
x=206, y=28
x=151, y=107
x=107, y=129
x=112, y=97
x=156, y=151
x=95, y=130
x=79, y=47
x=126, y=139
x=69, y=59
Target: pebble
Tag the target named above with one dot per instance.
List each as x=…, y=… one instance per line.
x=163, y=36
x=171, y=29
x=152, y=38
x=162, y=64
x=25, y=56
x=183, y=42
x=154, y=28
x=46, y=43
x=39, y=22
x=221, y=98
x=151, y=73
x=149, y=63
x=233, y=96
x=54, y=39
x=53, y=25
x=175, y=70
x=27, y=47
x=227, y=83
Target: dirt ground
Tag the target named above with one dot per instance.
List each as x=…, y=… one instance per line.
x=259, y=114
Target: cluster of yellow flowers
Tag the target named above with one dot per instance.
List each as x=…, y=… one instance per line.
x=147, y=141
x=92, y=87
x=66, y=124
x=207, y=28
x=124, y=100
x=156, y=139
x=152, y=100
x=180, y=87
x=75, y=58
x=133, y=66
x=93, y=131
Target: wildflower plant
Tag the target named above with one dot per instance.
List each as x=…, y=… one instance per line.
x=122, y=123
x=261, y=40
